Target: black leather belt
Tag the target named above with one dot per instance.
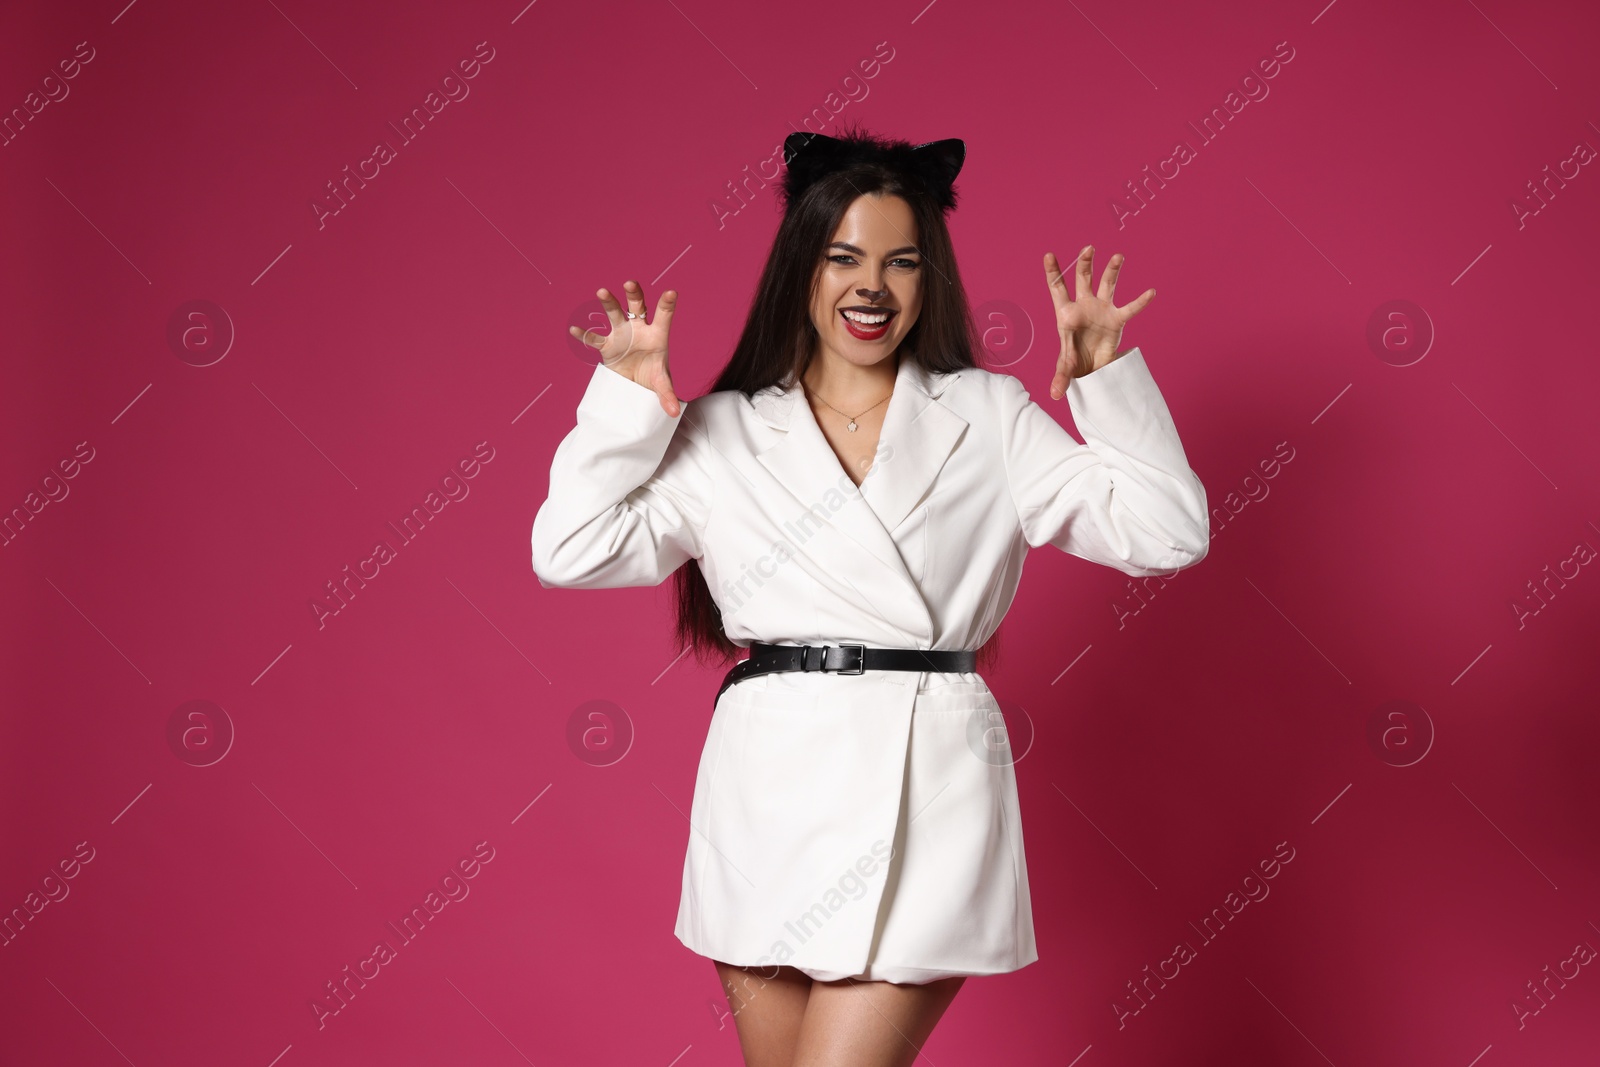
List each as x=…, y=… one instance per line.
x=845, y=659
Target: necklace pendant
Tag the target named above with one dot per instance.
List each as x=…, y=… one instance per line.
x=852, y=426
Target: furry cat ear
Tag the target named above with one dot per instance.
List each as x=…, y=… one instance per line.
x=807, y=157
x=942, y=160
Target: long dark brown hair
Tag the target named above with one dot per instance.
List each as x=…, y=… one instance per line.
x=779, y=338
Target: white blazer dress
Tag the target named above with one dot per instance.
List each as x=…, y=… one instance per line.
x=864, y=826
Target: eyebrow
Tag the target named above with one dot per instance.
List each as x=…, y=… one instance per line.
x=892, y=252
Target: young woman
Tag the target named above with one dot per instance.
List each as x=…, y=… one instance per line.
x=852, y=501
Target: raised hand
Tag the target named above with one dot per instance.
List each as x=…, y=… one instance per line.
x=634, y=348
x=1090, y=326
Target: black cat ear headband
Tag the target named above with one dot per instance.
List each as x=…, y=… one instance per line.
x=813, y=155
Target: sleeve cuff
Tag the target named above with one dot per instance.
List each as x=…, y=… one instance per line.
x=618, y=398
x=1120, y=372
x=1122, y=393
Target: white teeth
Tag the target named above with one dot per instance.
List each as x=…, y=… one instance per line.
x=867, y=320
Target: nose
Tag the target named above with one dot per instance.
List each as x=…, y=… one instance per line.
x=872, y=295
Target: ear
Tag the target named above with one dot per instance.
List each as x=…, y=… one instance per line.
x=942, y=159
x=810, y=145
x=807, y=156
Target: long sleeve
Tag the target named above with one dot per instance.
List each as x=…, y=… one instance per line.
x=1127, y=498
x=630, y=492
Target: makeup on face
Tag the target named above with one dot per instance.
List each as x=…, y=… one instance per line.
x=868, y=291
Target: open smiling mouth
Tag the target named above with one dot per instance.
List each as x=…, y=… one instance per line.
x=867, y=326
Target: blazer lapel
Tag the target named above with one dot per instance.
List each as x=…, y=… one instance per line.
x=919, y=433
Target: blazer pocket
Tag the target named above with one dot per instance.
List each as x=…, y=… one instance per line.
x=914, y=538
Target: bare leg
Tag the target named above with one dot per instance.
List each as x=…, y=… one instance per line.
x=870, y=1024
x=767, y=1005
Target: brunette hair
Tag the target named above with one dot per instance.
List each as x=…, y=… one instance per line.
x=778, y=337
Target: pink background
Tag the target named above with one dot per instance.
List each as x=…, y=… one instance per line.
x=1442, y=857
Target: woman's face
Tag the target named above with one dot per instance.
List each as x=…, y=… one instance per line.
x=872, y=267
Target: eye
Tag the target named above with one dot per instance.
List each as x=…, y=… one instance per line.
x=907, y=264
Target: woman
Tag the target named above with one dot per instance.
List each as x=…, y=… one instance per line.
x=854, y=480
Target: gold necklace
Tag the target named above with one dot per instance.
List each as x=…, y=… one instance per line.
x=852, y=424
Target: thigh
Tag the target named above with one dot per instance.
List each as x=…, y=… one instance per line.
x=767, y=1004
x=871, y=1024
